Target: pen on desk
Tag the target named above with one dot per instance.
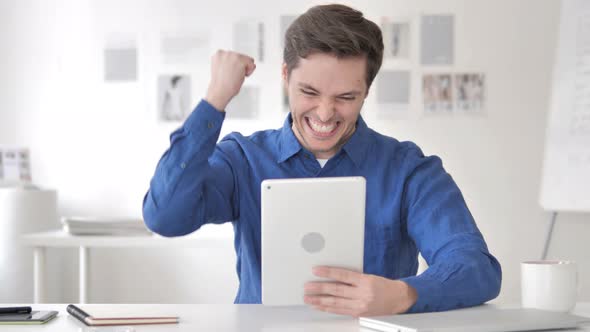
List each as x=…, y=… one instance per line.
x=15, y=310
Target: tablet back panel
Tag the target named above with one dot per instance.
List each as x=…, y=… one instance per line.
x=305, y=223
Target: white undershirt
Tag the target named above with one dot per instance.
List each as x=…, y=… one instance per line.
x=322, y=162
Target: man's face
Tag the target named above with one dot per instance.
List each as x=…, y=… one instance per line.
x=326, y=95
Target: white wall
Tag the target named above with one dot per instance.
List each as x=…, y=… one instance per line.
x=98, y=144
x=7, y=113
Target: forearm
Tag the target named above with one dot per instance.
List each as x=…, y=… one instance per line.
x=462, y=272
x=176, y=189
x=471, y=277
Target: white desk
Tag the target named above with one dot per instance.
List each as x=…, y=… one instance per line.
x=61, y=239
x=225, y=317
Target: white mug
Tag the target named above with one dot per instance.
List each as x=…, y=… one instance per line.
x=549, y=285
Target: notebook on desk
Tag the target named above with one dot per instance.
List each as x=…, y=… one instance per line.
x=120, y=315
x=481, y=319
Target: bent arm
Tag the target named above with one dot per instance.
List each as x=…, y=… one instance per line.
x=461, y=272
x=194, y=181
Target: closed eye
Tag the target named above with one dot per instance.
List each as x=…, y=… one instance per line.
x=308, y=92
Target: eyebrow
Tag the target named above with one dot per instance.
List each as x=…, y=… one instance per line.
x=309, y=87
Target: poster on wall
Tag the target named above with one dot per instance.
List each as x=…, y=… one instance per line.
x=456, y=93
x=184, y=48
x=120, y=57
x=174, y=97
x=248, y=38
x=120, y=64
x=396, y=39
x=245, y=104
x=15, y=166
x=469, y=92
x=437, y=93
x=393, y=92
x=437, y=39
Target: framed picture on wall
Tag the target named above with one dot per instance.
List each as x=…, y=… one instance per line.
x=15, y=166
x=396, y=39
x=437, y=40
x=469, y=92
x=185, y=47
x=248, y=38
x=437, y=93
x=245, y=104
x=174, y=97
x=393, y=92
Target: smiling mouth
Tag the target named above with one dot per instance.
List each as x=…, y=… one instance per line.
x=321, y=129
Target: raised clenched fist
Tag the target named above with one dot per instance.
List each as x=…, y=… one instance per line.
x=228, y=72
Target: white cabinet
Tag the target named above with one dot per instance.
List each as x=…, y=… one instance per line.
x=22, y=211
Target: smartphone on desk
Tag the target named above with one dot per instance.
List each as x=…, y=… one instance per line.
x=34, y=317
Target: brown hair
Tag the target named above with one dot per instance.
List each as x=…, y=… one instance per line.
x=335, y=29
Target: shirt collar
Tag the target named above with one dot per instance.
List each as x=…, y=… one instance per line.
x=288, y=143
x=355, y=147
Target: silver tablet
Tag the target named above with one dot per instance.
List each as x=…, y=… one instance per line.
x=309, y=222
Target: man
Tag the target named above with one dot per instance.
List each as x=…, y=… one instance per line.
x=331, y=56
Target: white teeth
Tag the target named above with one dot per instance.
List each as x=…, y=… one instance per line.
x=321, y=128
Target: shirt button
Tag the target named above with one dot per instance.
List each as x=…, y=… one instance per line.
x=210, y=125
x=183, y=165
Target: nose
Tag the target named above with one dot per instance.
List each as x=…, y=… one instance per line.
x=325, y=110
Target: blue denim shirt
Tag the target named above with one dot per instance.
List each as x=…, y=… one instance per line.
x=413, y=205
